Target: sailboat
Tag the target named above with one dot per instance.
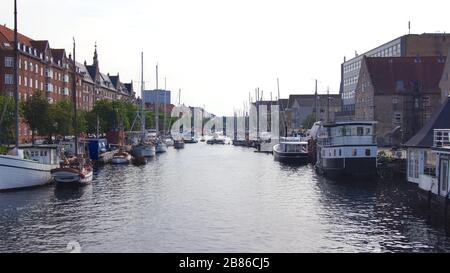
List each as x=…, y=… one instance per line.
x=30, y=167
x=179, y=142
x=143, y=148
x=78, y=169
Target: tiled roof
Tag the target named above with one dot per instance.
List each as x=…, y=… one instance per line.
x=308, y=100
x=85, y=73
x=402, y=74
x=40, y=45
x=58, y=54
x=8, y=35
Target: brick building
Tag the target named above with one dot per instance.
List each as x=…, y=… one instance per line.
x=400, y=93
x=49, y=70
x=411, y=45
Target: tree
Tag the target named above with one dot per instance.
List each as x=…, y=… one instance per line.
x=309, y=122
x=36, y=113
x=61, y=116
x=7, y=117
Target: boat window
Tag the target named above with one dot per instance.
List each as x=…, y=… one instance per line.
x=355, y=152
x=334, y=152
x=368, y=131
x=368, y=152
x=360, y=131
x=340, y=152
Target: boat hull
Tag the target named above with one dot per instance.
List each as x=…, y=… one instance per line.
x=120, y=160
x=347, y=167
x=179, y=145
x=143, y=151
x=161, y=148
x=20, y=173
x=292, y=158
x=67, y=176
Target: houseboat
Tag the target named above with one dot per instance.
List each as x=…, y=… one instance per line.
x=429, y=156
x=347, y=149
x=291, y=150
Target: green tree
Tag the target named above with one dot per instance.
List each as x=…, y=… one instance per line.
x=36, y=113
x=7, y=127
x=61, y=116
x=309, y=122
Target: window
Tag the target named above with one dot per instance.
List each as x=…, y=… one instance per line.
x=9, y=79
x=354, y=152
x=426, y=101
x=360, y=131
x=25, y=64
x=9, y=61
x=397, y=119
x=340, y=152
x=395, y=100
x=368, y=152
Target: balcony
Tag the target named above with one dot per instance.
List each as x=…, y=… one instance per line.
x=442, y=138
x=66, y=78
x=48, y=73
x=49, y=88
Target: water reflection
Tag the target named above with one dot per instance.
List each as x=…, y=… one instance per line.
x=217, y=199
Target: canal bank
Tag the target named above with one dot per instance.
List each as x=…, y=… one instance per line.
x=217, y=199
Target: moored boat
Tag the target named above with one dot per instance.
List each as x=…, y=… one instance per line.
x=25, y=168
x=347, y=149
x=73, y=172
x=121, y=157
x=291, y=150
x=178, y=144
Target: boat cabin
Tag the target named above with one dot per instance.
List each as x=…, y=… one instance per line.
x=42, y=154
x=293, y=145
x=440, y=182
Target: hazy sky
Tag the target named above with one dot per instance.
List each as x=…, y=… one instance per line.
x=219, y=51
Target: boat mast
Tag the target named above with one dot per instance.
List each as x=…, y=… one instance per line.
x=157, y=104
x=315, y=103
x=16, y=73
x=74, y=97
x=165, y=103
x=142, y=98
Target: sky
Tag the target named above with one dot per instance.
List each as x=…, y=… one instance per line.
x=217, y=52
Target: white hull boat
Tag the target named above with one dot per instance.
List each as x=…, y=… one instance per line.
x=19, y=173
x=161, y=148
x=118, y=159
x=68, y=176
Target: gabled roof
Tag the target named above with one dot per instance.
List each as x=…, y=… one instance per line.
x=42, y=46
x=129, y=87
x=440, y=120
x=405, y=74
x=58, y=54
x=92, y=70
x=305, y=100
x=83, y=70
x=114, y=80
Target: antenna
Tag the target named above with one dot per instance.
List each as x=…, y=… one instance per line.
x=409, y=27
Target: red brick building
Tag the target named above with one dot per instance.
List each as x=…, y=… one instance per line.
x=49, y=70
x=400, y=93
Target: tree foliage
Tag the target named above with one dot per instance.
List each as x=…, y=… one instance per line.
x=309, y=122
x=7, y=132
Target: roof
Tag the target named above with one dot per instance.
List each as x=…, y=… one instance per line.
x=40, y=45
x=402, y=74
x=425, y=137
x=58, y=54
x=308, y=100
x=83, y=70
x=8, y=35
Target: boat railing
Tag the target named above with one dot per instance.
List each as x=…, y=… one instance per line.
x=347, y=140
x=442, y=138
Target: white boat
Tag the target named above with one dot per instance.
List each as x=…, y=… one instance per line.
x=169, y=142
x=70, y=175
x=160, y=147
x=121, y=158
x=291, y=150
x=30, y=167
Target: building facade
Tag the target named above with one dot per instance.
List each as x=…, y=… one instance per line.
x=51, y=71
x=400, y=93
x=157, y=96
x=302, y=106
x=411, y=45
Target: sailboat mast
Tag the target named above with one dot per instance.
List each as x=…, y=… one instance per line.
x=142, y=97
x=157, y=103
x=74, y=97
x=165, y=104
x=16, y=76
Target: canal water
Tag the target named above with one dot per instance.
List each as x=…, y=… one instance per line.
x=217, y=199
